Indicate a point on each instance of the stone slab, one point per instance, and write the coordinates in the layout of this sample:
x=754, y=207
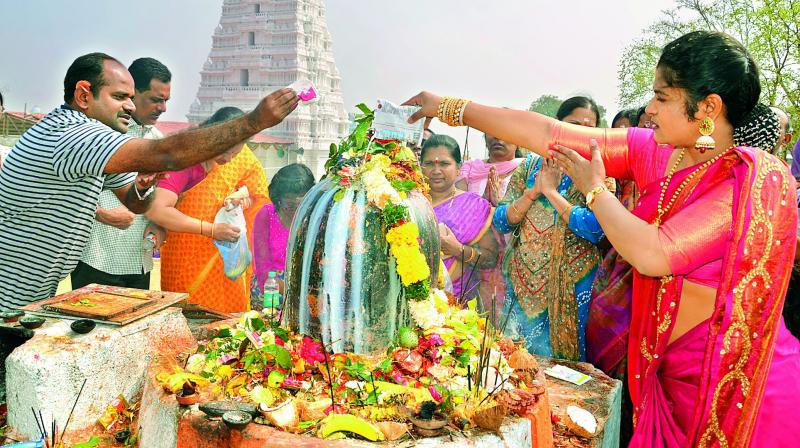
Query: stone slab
x=47, y=371
x=158, y=415
x=198, y=431
x=602, y=396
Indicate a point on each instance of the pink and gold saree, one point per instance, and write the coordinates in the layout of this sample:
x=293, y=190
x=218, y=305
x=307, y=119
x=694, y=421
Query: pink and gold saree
x=731, y=380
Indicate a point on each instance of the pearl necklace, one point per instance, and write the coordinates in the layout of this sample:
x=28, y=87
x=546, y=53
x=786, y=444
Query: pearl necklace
x=665, y=186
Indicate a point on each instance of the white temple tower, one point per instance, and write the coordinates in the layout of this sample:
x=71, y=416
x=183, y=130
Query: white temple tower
x=263, y=45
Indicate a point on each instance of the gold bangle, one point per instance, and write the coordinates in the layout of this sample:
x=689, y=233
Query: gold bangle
x=471, y=255
x=212, y=229
x=201, y=226
x=451, y=111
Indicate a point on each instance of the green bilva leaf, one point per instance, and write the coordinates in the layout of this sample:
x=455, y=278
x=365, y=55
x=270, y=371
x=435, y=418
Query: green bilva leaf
x=363, y=108
x=275, y=379
x=404, y=186
x=282, y=357
x=338, y=196
x=224, y=333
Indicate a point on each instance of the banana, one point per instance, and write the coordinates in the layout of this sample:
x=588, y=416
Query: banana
x=337, y=423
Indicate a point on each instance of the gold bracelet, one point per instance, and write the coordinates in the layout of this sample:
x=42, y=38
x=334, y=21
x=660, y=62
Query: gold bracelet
x=213, y=224
x=201, y=226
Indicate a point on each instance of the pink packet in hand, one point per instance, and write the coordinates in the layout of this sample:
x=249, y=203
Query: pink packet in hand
x=305, y=90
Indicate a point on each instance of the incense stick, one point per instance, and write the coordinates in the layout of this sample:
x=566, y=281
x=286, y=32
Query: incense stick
x=469, y=279
x=330, y=373
x=64, y=431
x=36, y=419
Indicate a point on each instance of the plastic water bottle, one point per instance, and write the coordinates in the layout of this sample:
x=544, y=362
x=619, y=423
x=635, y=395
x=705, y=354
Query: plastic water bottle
x=272, y=294
x=149, y=242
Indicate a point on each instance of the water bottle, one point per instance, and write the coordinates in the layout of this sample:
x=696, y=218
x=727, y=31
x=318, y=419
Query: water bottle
x=272, y=294
x=149, y=242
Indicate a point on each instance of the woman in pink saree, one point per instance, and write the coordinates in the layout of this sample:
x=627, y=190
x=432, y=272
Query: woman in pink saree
x=710, y=362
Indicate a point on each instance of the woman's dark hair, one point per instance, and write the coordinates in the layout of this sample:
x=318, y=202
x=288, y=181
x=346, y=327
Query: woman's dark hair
x=759, y=129
x=706, y=62
x=632, y=115
x=292, y=180
x=1, y=99
x=446, y=141
x=222, y=115
x=88, y=67
x=576, y=102
x=639, y=113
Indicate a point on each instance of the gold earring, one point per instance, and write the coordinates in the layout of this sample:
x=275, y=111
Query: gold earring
x=705, y=142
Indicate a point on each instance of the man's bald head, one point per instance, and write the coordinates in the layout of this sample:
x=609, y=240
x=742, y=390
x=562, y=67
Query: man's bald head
x=88, y=67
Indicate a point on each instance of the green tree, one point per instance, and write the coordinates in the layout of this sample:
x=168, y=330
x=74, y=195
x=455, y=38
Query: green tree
x=770, y=29
x=548, y=105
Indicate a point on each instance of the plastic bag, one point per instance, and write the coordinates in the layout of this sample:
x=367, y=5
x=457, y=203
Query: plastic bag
x=391, y=123
x=235, y=255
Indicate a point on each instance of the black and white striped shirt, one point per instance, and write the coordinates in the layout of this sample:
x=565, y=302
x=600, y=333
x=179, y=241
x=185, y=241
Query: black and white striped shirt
x=49, y=186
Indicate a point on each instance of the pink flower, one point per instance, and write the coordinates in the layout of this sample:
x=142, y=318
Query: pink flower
x=399, y=379
x=311, y=351
x=437, y=397
x=435, y=339
x=291, y=382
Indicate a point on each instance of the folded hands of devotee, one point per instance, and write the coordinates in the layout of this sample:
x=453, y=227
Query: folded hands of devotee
x=548, y=176
x=493, y=187
x=585, y=174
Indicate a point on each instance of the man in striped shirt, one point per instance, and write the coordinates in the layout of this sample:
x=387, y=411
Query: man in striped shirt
x=115, y=254
x=51, y=180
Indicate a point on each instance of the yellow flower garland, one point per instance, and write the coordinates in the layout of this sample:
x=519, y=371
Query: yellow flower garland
x=404, y=246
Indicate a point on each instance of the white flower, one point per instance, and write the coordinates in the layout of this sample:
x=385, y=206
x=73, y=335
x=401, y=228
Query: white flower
x=425, y=314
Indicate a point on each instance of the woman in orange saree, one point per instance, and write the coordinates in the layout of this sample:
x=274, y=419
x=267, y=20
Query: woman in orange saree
x=186, y=205
x=710, y=361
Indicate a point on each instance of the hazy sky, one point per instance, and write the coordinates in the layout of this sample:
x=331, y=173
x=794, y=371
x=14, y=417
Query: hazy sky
x=501, y=52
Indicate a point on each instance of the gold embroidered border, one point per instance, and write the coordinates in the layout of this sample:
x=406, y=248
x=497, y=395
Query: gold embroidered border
x=747, y=287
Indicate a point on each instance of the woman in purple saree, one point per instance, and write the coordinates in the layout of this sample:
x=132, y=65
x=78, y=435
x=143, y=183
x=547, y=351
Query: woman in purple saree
x=465, y=219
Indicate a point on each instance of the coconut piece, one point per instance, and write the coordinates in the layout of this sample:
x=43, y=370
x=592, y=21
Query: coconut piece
x=392, y=430
x=490, y=418
x=283, y=416
x=581, y=422
x=522, y=360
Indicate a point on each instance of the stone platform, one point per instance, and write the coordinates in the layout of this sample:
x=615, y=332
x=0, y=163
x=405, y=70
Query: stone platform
x=47, y=371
